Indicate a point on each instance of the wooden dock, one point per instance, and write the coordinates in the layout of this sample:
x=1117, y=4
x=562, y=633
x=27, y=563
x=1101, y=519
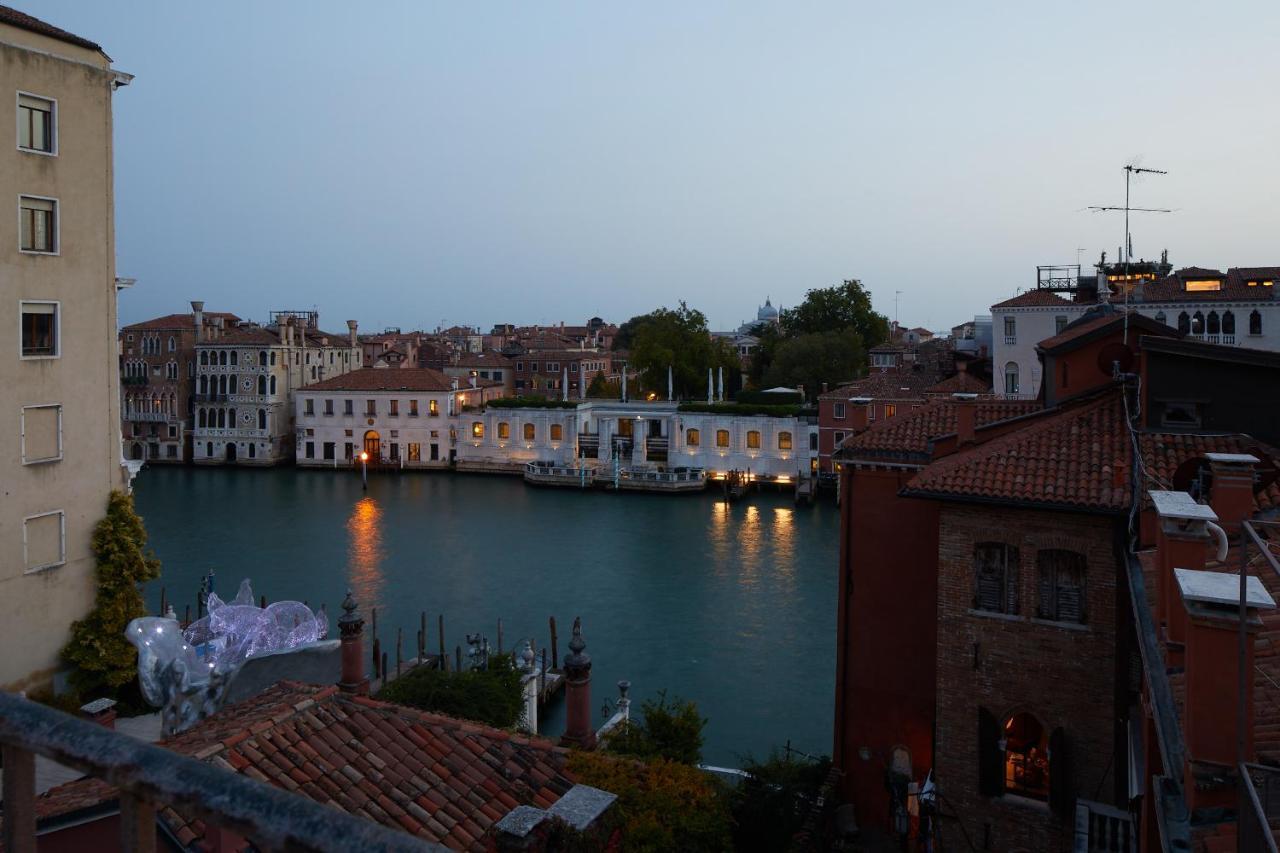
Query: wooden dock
x=805, y=489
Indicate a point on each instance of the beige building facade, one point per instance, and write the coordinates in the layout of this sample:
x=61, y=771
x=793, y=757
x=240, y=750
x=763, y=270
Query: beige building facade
x=59, y=386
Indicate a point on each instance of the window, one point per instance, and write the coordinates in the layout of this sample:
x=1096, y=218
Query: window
x=519, y=367
x=348, y=407
x=262, y=418
x=1184, y=323
x=995, y=568
x=253, y=450
x=311, y=450
x=348, y=451
x=415, y=451
x=1059, y=323
x=328, y=407
x=395, y=450
x=1010, y=330
x=890, y=409
x=497, y=375
x=1255, y=323
x=433, y=408
x=1228, y=323
x=371, y=407
x=41, y=434
x=235, y=358
x=529, y=432
x=1213, y=325
x=1203, y=285
x=871, y=412
x=173, y=345
x=37, y=225
x=171, y=370
x=784, y=441
x=395, y=408
x=39, y=329
x=813, y=441
x=837, y=411
x=533, y=367
x=1061, y=581
x=692, y=437
x=35, y=124
x=1011, y=378
x=504, y=430
x=44, y=540
x=557, y=432
x=1161, y=319
x=1197, y=323
x=204, y=358
x=413, y=408
x=477, y=429
x=262, y=357
x=839, y=439
x=309, y=406
x=273, y=385
x=722, y=438
x=753, y=439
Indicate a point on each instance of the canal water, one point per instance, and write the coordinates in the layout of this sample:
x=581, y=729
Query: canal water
x=732, y=606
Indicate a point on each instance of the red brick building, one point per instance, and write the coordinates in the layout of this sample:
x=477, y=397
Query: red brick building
x=543, y=373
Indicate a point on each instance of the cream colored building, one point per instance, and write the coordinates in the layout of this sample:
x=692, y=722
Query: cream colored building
x=59, y=384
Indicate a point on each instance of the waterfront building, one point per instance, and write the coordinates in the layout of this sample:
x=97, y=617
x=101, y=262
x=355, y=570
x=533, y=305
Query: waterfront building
x=1237, y=308
x=59, y=389
x=408, y=418
x=545, y=372
x=246, y=378
x=488, y=365
x=157, y=378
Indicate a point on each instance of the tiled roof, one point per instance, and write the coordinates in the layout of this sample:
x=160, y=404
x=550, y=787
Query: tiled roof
x=567, y=354
x=1235, y=286
x=391, y=379
x=1037, y=298
x=179, y=321
x=910, y=434
x=898, y=384
x=484, y=359
x=1069, y=458
x=438, y=778
x=251, y=335
x=961, y=383
x=1163, y=453
x=23, y=21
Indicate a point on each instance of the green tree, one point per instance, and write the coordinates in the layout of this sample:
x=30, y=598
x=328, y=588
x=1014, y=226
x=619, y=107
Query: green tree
x=670, y=730
x=678, y=339
x=830, y=309
x=817, y=357
x=103, y=662
x=601, y=388
x=771, y=803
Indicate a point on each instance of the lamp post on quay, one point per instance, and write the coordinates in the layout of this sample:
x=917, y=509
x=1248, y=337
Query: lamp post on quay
x=364, y=469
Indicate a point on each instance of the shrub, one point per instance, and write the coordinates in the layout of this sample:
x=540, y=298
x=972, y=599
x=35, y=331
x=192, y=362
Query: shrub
x=102, y=661
x=492, y=696
x=530, y=403
x=770, y=805
x=672, y=731
x=747, y=409
x=663, y=805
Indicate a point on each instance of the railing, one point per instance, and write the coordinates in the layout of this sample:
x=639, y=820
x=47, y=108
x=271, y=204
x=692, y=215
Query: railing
x=1010, y=339
x=655, y=449
x=1259, y=806
x=210, y=398
x=689, y=475
x=1224, y=339
x=149, y=776
x=1103, y=829
x=207, y=432
x=148, y=416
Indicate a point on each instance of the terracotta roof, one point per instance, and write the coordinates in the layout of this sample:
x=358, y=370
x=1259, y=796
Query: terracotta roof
x=898, y=384
x=391, y=379
x=484, y=359
x=179, y=321
x=1098, y=322
x=23, y=21
x=961, y=383
x=1072, y=458
x=253, y=335
x=1198, y=272
x=910, y=434
x=1163, y=453
x=439, y=778
x=1235, y=286
x=1033, y=299
x=564, y=355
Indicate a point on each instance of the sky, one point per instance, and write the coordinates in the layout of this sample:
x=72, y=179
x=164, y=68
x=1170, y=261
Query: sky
x=414, y=164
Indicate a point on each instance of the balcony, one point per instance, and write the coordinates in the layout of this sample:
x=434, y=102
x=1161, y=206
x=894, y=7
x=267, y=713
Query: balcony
x=1221, y=339
x=150, y=777
x=157, y=417
x=1010, y=340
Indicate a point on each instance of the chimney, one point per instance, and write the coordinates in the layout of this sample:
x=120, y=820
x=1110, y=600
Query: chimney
x=824, y=387
x=858, y=414
x=1181, y=539
x=1231, y=493
x=577, y=680
x=197, y=308
x=351, y=326
x=966, y=417
x=351, y=629
x=282, y=327
x=1211, y=604
x=100, y=711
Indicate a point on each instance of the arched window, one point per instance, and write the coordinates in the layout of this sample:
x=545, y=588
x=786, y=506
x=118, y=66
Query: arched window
x=204, y=358
x=1061, y=585
x=722, y=438
x=1011, y=378
x=273, y=358
x=753, y=439
x=173, y=345
x=231, y=419
x=1255, y=323
x=204, y=384
x=253, y=448
x=995, y=577
x=1228, y=323
x=222, y=357
x=262, y=384
x=273, y=385
x=222, y=418
x=529, y=432
x=204, y=421
x=504, y=430
x=1213, y=326
x=1160, y=318
x=1197, y=323
x=1184, y=323
x=234, y=359
x=692, y=437
x=262, y=358
x=208, y=449
x=557, y=432
x=222, y=384
x=262, y=418
x=784, y=441
x=1026, y=757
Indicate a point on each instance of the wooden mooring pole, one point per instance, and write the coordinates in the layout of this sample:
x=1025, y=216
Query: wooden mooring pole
x=555, y=659
x=444, y=655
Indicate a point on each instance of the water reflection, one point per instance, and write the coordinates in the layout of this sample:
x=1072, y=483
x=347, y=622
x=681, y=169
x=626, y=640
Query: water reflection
x=365, y=552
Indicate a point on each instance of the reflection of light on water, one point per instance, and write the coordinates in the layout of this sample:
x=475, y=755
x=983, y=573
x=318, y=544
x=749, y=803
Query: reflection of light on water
x=365, y=552
x=784, y=529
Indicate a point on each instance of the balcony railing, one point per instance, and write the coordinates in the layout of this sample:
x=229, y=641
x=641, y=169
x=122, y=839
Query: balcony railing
x=1104, y=829
x=1259, y=808
x=149, y=416
x=149, y=776
x=1224, y=339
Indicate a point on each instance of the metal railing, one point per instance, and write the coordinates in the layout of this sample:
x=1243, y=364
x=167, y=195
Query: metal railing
x=1259, y=793
x=148, y=416
x=1104, y=829
x=690, y=475
x=149, y=776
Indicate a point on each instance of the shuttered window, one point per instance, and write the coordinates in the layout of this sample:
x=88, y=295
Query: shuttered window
x=995, y=567
x=1061, y=585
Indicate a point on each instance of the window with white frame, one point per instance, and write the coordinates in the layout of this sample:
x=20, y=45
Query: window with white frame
x=1011, y=378
x=41, y=434
x=1010, y=330
x=36, y=123
x=38, y=225
x=39, y=329
x=44, y=541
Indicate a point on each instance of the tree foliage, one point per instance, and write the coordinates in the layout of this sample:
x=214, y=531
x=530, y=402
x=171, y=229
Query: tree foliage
x=492, y=696
x=668, y=730
x=830, y=309
x=102, y=661
x=770, y=805
x=664, y=805
x=679, y=339
x=602, y=389
x=816, y=357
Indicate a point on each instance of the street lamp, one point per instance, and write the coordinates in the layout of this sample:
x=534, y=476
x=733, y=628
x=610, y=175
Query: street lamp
x=364, y=469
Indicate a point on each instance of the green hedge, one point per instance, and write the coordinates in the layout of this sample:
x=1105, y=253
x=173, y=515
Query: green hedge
x=760, y=398
x=530, y=403
x=492, y=696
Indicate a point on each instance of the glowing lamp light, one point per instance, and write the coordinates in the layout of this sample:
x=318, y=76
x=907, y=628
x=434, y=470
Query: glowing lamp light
x=364, y=456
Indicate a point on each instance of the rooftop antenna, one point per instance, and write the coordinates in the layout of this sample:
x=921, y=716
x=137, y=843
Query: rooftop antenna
x=896, y=294
x=1131, y=169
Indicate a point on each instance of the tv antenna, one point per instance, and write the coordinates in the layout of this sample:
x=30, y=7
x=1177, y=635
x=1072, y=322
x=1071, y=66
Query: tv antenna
x=896, y=294
x=1130, y=169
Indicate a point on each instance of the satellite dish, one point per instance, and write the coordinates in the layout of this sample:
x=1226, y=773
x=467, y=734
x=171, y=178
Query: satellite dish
x=1112, y=354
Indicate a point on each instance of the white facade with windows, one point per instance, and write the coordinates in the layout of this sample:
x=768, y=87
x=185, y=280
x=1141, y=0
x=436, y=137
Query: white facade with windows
x=1015, y=332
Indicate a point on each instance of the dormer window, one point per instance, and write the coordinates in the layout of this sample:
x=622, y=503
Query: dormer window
x=1198, y=285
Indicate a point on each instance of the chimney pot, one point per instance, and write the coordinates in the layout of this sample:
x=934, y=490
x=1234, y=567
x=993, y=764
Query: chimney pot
x=1231, y=493
x=100, y=711
x=966, y=417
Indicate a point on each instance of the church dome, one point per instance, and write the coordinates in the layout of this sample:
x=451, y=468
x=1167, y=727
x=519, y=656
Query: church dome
x=768, y=312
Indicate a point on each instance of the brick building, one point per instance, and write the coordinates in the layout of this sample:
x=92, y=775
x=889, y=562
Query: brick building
x=544, y=373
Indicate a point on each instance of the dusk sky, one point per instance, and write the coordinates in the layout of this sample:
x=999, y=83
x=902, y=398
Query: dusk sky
x=412, y=164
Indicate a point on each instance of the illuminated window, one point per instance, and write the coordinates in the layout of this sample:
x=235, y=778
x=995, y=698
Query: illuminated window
x=504, y=430
x=890, y=410
x=433, y=408
x=528, y=432
x=1201, y=285
x=1026, y=757
x=477, y=429
x=753, y=439
x=692, y=437
x=557, y=432
x=722, y=438
x=784, y=441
